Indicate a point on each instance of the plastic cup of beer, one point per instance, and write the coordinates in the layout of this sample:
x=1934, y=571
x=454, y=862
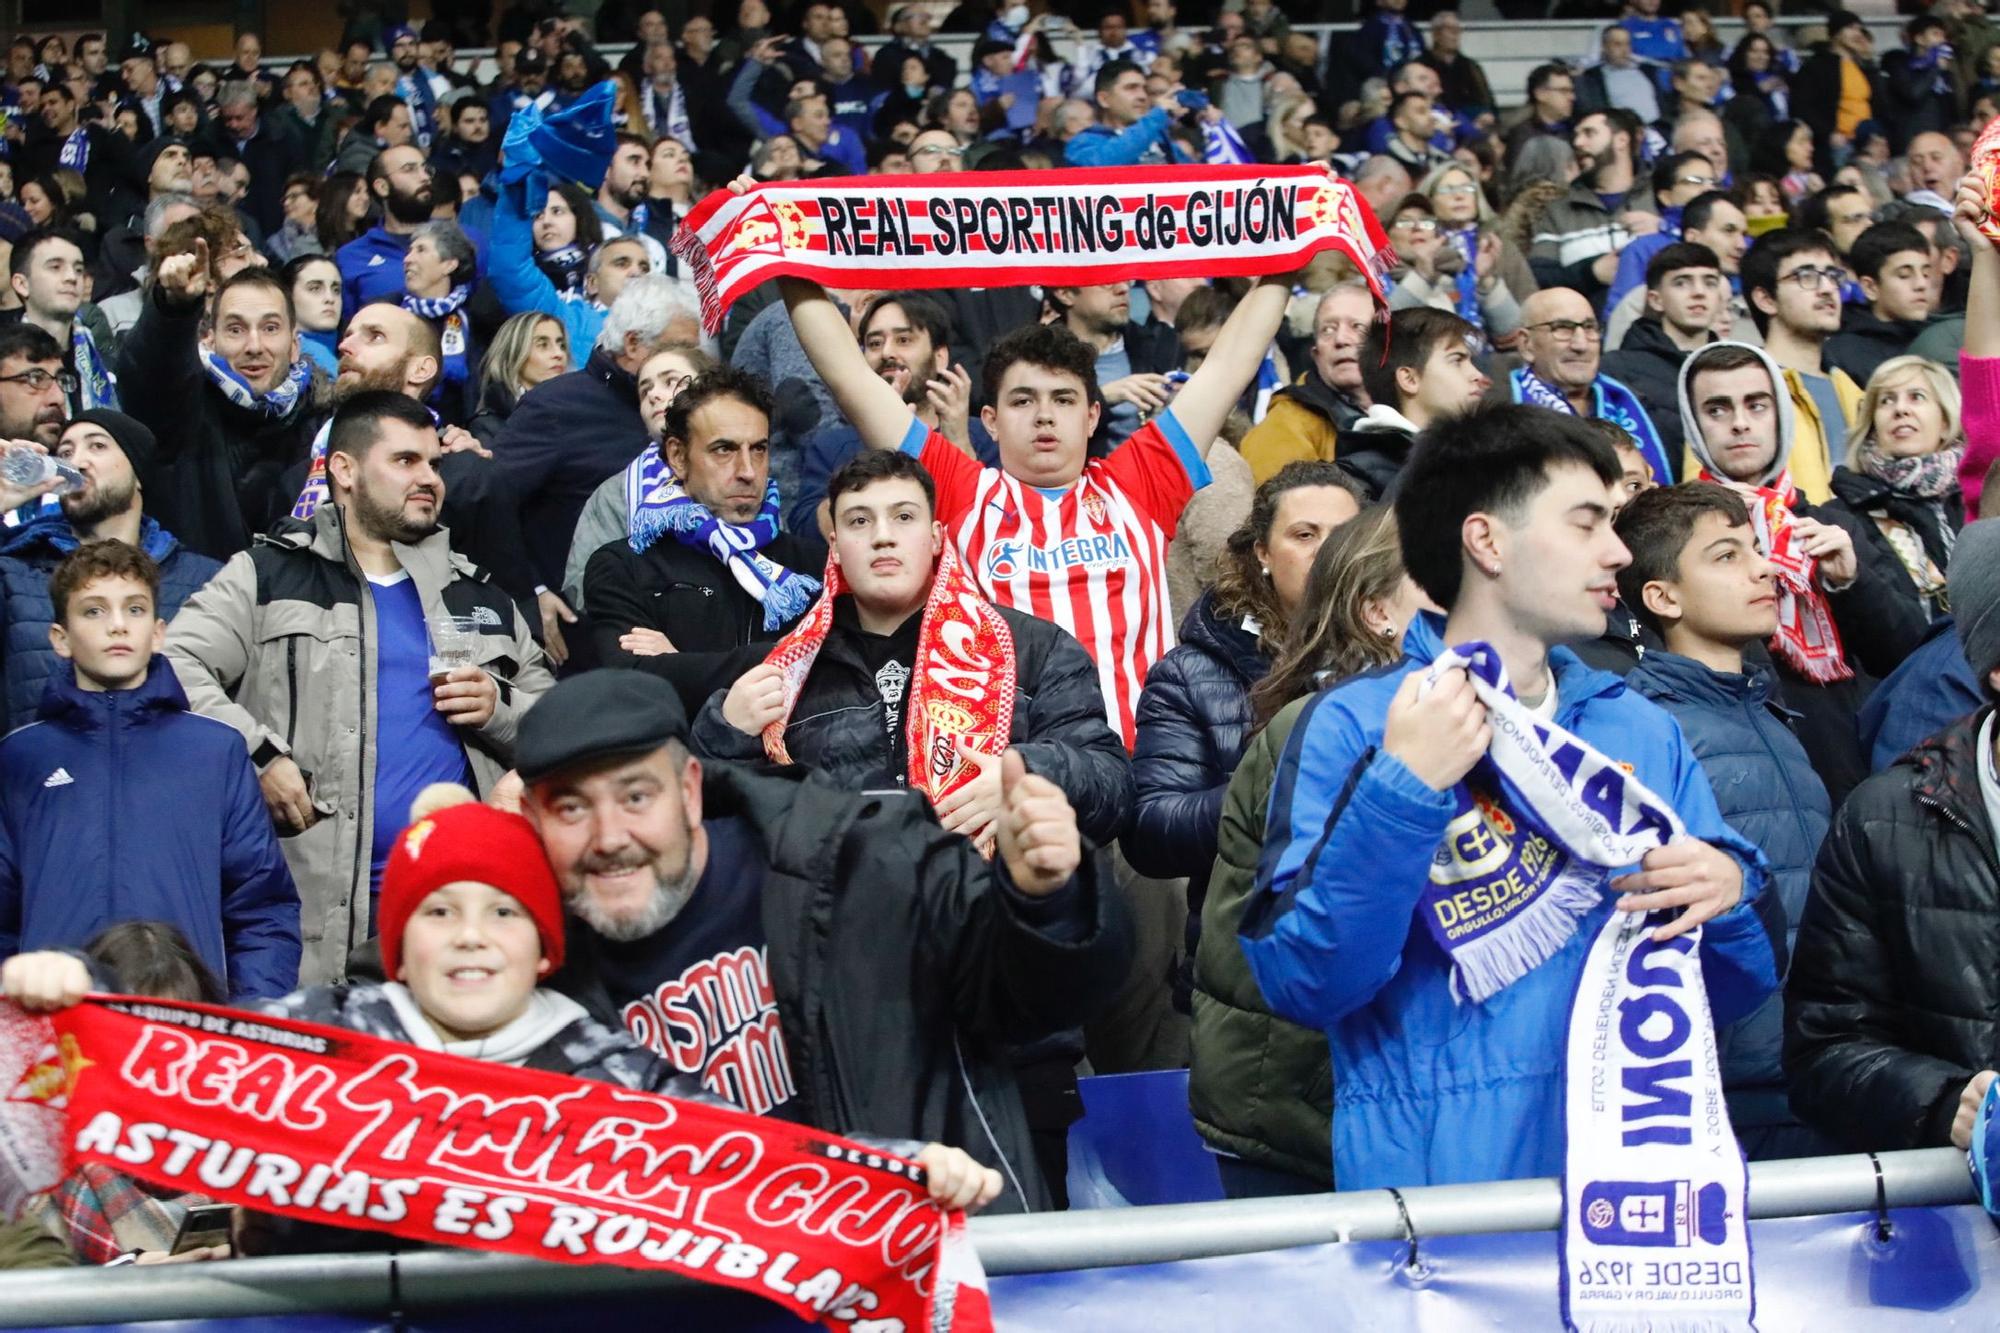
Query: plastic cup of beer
x=454, y=644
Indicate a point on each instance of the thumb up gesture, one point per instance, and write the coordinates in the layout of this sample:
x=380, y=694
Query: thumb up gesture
x=1036, y=830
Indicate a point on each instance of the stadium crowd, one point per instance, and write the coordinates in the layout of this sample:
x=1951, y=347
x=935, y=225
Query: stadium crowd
x=399, y=498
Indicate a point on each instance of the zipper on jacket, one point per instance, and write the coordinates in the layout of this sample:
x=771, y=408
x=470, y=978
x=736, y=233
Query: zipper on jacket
x=291, y=687
x=1959, y=821
x=358, y=904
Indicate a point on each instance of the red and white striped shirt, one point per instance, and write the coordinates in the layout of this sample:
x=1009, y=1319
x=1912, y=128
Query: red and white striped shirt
x=1091, y=557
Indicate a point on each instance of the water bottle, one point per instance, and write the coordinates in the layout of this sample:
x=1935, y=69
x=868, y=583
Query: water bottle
x=30, y=470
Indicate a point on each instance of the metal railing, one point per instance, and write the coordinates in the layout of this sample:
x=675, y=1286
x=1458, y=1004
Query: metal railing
x=442, y=1279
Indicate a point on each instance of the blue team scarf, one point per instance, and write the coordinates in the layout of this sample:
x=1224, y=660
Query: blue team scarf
x=565, y=267
x=1466, y=241
x=276, y=403
x=1612, y=402
x=657, y=506
x=447, y=312
x=96, y=386
x=1223, y=146
x=75, y=152
x=416, y=89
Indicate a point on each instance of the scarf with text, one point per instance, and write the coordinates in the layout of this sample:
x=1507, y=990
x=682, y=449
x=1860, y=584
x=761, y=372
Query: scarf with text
x=1612, y=402
x=656, y=505
x=565, y=267
x=448, y=313
x=276, y=403
x=325, y=1125
x=961, y=686
x=96, y=386
x=1650, y=1160
x=1465, y=295
x=1014, y=228
x=1807, y=638
x=75, y=153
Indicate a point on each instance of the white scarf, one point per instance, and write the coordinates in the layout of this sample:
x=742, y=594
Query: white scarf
x=1655, y=1233
x=548, y=1013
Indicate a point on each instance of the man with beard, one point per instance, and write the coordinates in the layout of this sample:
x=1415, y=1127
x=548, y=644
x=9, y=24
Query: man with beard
x=112, y=450
x=46, y=272
x=622, y=195
x=419, y=87
x=886, y=963
x=1577, y=238
x=906, y=338
x=318, y=647
x=1308, y=415
x=33, y=385
x=371, y=265
x=228, y=397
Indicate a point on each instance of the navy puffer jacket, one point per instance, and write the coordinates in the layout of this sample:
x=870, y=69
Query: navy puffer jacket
x=30, y=554
x=1767, y=791
x=1193, y=721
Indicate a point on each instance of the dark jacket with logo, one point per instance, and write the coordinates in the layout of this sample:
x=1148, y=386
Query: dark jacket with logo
x=1767, y=791
x=904, y=965
x=1894, y=1001
x=121, y=805
x=839, y=726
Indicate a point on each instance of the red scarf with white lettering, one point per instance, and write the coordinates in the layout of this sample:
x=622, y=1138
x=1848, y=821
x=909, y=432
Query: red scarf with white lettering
x=325, y=1125
x=1076, y=227
x=1807, y=638
x=961, y=685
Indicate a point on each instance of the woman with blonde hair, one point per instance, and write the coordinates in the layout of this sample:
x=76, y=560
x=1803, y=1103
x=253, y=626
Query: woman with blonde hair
x=1261, y=1089
x=1901, y=473
x=1285, y=127
x=529, y=349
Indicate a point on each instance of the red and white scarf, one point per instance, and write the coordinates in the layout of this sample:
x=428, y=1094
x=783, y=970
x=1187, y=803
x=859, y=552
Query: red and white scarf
x=961, y=685
x=1011, y=228
x=1807, y=639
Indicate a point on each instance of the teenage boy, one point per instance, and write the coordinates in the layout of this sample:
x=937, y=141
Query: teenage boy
x=1698, y=581
x=1419, y=367
x=1893, y=261
x=1791, y=279
x=1081, y=541
x=1505, y=519
x=124, y=806
x=1839, y=612
x=1685, y=295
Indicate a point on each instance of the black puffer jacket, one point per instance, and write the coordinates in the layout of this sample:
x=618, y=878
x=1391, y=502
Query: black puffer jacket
x=1193, y=719
x=1870, y=501
x=1866, y=340
x=1894, y=1000
x=838, y=726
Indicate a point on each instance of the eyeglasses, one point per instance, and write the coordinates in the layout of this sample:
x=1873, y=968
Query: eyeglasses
x=1564, y=330
x=1460, y=188
x=936, y=150
x=1415, y=224
x=38, y=380
x=1809, y=279
x=1705, y=182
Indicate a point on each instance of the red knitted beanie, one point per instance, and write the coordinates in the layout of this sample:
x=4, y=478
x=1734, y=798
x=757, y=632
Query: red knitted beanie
x=468, y=842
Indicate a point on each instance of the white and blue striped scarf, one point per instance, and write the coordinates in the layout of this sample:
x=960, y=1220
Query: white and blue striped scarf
x=656, y=505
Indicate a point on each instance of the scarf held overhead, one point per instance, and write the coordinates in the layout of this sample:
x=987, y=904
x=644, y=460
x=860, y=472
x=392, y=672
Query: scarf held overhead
x=1652, y=1173
x=962, y=687
x=1013, y=228
x=325, y=1125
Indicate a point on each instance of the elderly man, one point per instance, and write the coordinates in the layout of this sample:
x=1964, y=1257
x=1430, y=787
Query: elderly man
x=1564, y=354
x=1935, y=168
x=1308, y=415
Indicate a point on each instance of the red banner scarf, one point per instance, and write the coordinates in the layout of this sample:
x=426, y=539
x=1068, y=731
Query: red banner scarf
x=330, y=1126
x=1807, y=638
x=961, y=686
x=1073, y=227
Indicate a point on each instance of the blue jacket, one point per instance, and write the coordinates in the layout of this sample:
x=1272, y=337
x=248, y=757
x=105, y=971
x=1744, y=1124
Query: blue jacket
x=1933, y=688
x=1767, y=791
x=371, y=269
x=28, y=557
x=522, y=286
x=1428, y=1091
x=124, y=806
x=1146, y=140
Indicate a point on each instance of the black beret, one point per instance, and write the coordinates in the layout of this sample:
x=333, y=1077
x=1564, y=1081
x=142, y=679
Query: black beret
x=601, y=714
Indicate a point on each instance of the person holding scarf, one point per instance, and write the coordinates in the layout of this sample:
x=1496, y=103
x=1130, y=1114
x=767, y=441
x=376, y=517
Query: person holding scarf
x=419, y=88
x=1394, y=809
x=1841, y=610
x=1564, y=352
x=439, y=270
x=1901, y=475
x=705, y=568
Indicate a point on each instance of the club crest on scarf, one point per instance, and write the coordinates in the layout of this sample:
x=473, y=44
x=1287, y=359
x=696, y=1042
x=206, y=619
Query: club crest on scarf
x=961, y=691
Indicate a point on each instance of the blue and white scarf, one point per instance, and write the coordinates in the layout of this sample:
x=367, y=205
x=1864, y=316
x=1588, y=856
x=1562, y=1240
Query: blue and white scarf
x=1222, y=146
x=96, y=386
x=1652, y=1171
x=415, y=89
x=447, y=312
x=1611, y=401
x=317, y=491
x=565, y=267
x=75, y=152
x=657, y=506
x=275, y=403
x=1466, y=303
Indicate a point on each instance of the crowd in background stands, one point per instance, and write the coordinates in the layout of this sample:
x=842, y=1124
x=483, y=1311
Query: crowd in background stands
x=397, y=473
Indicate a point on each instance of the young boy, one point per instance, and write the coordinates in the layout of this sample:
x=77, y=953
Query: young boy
x=1505, y=520
x=1419, y=369
x=466, y=957
x=120, y=805
x=1698, y=581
